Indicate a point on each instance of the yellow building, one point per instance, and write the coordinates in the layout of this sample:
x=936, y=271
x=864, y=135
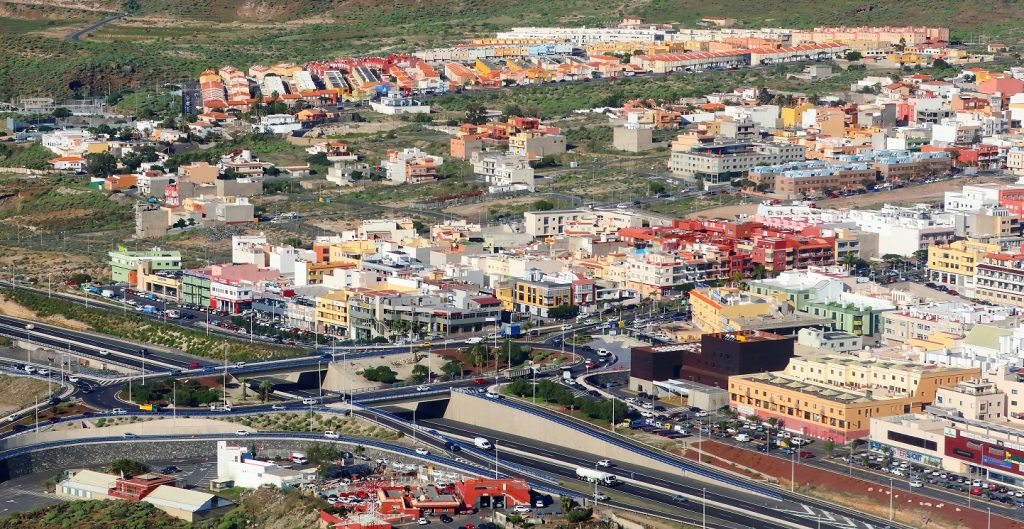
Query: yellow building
x=539, y=297
x=834, y=397
x=165, y=285
x=726, y=309
x=793, y=116
x=351, y=251
x=954, y=264
x=332, y=312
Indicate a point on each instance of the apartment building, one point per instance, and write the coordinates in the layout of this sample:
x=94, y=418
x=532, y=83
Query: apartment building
x=836, y=397
x=823, y=296
x=953, y=318
x=726, y=309
x=955, y=264
x=410, y=166
x=979, y=400
x=812, y=178
x=534, y=144
x=999, y=279
x=716, y=164
x=899, y=166
x=906, y=229
x=503, y=172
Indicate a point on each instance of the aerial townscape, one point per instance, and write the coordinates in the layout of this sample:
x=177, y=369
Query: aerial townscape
x=478, y=264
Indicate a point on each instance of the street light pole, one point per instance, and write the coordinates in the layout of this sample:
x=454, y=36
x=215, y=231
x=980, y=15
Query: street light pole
x=792, y=472
x=704, y=508
x=890, y=500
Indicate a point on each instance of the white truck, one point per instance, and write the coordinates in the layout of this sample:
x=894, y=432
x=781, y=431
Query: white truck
x=107, y=293
x=596, y=476
x=298, y=457
x=482, y=443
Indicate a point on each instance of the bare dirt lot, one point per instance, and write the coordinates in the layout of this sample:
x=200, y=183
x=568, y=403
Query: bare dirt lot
x=908, y=195
x=18, y=392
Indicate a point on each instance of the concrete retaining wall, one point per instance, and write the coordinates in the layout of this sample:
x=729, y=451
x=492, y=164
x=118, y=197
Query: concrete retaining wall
x=85, y=429
x=492, y=415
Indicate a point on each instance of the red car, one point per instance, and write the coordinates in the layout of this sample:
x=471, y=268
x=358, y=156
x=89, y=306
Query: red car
x=481, y=382
x=804, y=454
x=976, y=491
x=193, y=365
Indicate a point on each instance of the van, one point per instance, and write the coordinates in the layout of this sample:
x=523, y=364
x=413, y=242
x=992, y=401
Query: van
x=482, y=443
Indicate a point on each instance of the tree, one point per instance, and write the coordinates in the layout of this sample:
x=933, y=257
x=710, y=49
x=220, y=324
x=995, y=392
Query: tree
x=419, y=373
x=512, y=110
x=61, y=113
x=476, y=114
x=764, y=96
x=323, y=456
x=383, y=374
x=759, y=271
x=543, y=205
x=452, y=368
x=245, y=388
x=100, y=164
x=128, y=467
x=265, y=389
x=829, y=446
x=854, y=56
x=131, y=6
x=564, y=312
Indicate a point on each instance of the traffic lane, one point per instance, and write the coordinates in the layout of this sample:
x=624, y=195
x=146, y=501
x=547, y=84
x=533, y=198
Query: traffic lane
x=550, y=468
x=60, y=338
x=623, y=470
x=25, y=493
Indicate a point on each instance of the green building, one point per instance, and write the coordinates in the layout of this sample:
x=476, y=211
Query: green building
x=826, y=296
x=195, y=288
x=124, y=264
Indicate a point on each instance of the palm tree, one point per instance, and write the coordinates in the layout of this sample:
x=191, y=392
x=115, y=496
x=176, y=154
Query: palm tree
x=265, y=388
x=849, y=259
x=759, y=271
x=245, y=388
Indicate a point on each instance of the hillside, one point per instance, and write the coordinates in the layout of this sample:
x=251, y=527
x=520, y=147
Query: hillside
x=170, y=40
x=93, y=515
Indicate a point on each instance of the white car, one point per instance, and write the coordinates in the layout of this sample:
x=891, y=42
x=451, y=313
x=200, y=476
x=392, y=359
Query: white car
x=44, y=371
x=118, y=411
x=701, y=414
x=521, y=509
x=743, y=438
x=648, y=406
x=422, y=521
x=331, y=434
x=916, y=484
x=422, y=388
x=604, y=463
x=646, y=414
x=474, y=340
x=73, y=379
x=278, y=407
x=799, y=441
x=422, y=451
x=241, y=432
x=600, y=496
x=309, y=401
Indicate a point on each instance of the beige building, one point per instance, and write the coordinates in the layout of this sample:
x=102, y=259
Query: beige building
x=534, y=144
x=633, y=139
x=976, y=399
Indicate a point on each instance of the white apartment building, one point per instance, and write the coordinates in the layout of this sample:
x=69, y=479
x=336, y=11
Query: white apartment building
x=955, y=318
x=906, y=229
x=503, y=172
x=277, y=124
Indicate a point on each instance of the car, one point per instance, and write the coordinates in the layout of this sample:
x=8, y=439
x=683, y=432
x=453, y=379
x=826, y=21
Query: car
x=479, y=381
x=600, y=496
x=743, y=438
x=309, y=401
x=73, y=379
x=278, y=407
x=331, y=434
x=44, y=371
x=522, y=509
x=804, y=454
x=700, y=413
x=916, y=484
x=426, y=344
x=678, y=498
x=445, y=518
x=241, y=432
x=604, y=463
x=648, y=406
x=422, y=451
x=170, y=469
x=119, y=411
x=422, y=521
x=422, y=388
x=128, y=435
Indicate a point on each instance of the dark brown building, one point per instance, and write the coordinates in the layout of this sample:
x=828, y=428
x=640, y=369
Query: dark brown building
x=711, y=361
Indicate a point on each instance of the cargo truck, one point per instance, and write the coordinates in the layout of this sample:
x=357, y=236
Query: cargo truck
x=596, y=476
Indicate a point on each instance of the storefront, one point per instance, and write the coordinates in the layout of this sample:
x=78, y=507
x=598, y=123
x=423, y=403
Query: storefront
x=996, y=460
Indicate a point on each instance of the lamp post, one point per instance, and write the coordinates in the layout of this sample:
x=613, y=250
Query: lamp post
x=704, y=508
x=890, y=500
x=792, y=472
x=143, y=351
